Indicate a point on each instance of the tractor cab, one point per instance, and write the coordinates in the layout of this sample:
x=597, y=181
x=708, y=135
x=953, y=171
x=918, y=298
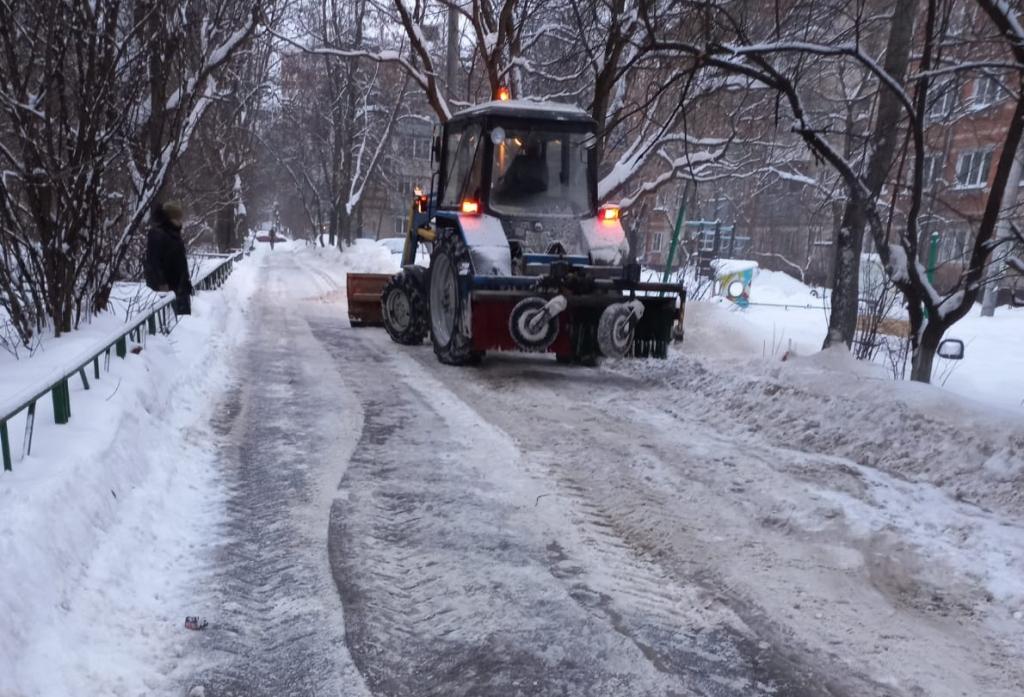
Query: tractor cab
x=522, y=257
x=529, y=169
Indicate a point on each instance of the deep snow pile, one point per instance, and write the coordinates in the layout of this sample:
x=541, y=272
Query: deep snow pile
x=366, y=256
x=780, y=288
x=831, y=404
x=788, y=317
x=101, y=519
x=363, y=256
x=943, y=473
x=761, y=370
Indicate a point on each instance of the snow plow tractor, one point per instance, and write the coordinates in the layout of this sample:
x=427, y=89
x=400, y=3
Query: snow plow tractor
x=522, y=258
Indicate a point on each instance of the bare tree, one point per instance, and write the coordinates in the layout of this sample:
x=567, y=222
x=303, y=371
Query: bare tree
x=758, y=51
x=212, y=175
x=98, y=102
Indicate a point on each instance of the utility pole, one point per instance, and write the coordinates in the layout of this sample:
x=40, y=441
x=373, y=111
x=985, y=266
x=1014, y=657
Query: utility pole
x=997, y=268
x=452, y=60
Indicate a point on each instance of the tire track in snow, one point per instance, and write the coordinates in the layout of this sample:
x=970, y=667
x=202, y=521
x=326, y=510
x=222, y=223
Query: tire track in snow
x=276, y=627
x=579, y=434
x=715, y=512
x=457, y=579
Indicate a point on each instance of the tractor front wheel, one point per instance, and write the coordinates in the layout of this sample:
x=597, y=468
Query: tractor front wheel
x=404, y=307
x=449, y=302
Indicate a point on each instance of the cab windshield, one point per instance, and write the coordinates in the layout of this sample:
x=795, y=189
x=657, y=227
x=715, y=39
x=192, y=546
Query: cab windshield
x=540, y=173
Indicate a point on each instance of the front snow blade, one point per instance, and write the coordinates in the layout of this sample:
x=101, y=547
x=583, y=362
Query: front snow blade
x=363, y=291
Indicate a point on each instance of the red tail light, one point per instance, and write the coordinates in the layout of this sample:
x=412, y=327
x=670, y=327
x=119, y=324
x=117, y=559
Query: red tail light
x=470, y=207
x=504, y=94
x=608, y=214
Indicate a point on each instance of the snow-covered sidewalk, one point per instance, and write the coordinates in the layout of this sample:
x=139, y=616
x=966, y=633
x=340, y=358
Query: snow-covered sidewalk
x=102, y=520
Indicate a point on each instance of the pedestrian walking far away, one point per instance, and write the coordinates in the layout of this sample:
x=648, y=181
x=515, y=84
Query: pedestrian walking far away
x=273, y=237
x=166, y=266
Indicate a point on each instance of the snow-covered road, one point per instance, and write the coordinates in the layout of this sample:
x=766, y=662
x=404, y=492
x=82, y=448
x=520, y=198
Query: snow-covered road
x=398, y=527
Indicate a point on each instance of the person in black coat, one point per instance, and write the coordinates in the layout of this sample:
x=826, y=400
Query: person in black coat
x=166, y=266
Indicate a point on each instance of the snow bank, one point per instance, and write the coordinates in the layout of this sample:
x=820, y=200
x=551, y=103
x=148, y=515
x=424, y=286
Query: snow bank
x=992, y=370
x=762, y=371
x=51, y=356
x=778, y=287
x=364, y=256
x=830, y=403
x=764, y=332
x=794, y=320
x=99, y=521
x=943, y=472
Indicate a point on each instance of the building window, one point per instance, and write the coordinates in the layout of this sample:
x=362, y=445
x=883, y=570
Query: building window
x=931, y=170
x=656, y=242
x=941, y=100
x=414, y=147
x=399, y=229
x=972, y=169
x=667, y=198
x=406, y=188
x=421, y=148
x=987, y=90
x=952, y=245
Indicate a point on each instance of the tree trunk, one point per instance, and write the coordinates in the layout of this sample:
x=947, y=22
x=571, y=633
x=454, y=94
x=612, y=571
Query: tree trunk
x=344, y=226
x=332, y=227
x=996, y=266
x=842, y=321
x=225, y=230
x=924, y=354
x=452, y=59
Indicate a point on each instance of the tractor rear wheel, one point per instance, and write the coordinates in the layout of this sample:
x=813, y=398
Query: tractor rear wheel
x=404, y=307
x=449, y=299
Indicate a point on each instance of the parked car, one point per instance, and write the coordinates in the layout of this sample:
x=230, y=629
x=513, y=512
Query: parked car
x=395, y=245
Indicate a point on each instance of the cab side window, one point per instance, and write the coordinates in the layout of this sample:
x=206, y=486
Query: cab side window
x=461, y=160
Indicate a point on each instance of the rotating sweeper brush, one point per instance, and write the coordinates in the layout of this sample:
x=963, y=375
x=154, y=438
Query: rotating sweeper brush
x=522, y=257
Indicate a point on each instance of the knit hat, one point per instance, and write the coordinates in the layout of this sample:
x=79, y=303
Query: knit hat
x=175, y=212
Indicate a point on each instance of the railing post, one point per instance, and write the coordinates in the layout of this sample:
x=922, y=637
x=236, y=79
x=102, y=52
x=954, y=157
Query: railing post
x=121, y=347
x=96, y=367
x=61, y=406
x=152, y=324
x=30, y=423
x=5, y=446
x=58, y=408
x=85, y=380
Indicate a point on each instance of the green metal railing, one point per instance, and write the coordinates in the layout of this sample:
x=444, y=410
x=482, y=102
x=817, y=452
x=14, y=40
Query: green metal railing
x=157, y=318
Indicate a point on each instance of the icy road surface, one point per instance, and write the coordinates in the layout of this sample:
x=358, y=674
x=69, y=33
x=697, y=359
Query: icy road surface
x=398, y=527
